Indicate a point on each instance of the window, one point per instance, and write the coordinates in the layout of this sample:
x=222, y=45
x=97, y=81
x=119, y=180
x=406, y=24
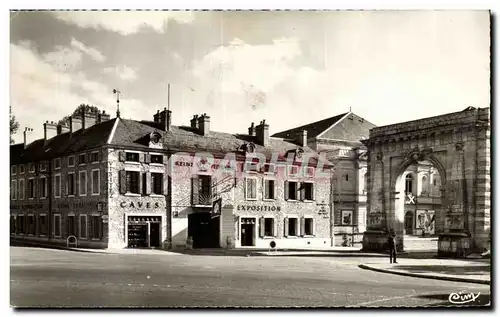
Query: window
x=96, y=227
x=269, y=168
x=346, y=177
x=43, y=166
x=31, y=167
x=293, y=170
x=43, y=187
x=57, y=225
x=20, y=224
x=21, y=189
x=57, y=185
x=409, y=183
x=269, y=227
x=31, y=225
x=71, y=160
x=96, y=183
x=42, y=225
x=82, y=159
x=434, y=182
x=202, y=190
x=158, y=159
x=308, y=226
x=132, y=182
x=57, y=163
x=31, y=188
x=156, y=183
x=292, y=227
x=94, y=157
x=132, y=157
x=13, y=190
x=309, y=171
x=21, y=169
x=12, y=224
x=251, y=188
x=308, y=191
x=269, y=189
x=71, y=226
x=83, y=226
x=13, y=170
x=291, y=190
x=71, y=184
x=82, y=183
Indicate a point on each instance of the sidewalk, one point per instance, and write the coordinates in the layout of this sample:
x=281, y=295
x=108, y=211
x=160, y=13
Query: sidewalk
x=469, y=271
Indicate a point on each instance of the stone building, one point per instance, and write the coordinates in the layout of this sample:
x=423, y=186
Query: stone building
x=457, y=145
x=126, y=183
x=339, y=138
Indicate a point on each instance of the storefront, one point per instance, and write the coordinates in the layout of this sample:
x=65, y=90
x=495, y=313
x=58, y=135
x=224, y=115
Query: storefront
x=144, y=231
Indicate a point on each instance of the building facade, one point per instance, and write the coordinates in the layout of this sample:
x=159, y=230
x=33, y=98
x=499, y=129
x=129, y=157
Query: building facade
x=126, y=183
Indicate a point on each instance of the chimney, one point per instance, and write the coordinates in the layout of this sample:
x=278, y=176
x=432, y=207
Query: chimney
x=88, y=118
x=203, y=124
x=302, y=138
x=62, y=128
x=194, y=122
x=164, y=118
x=27, y=132
x=75, y=123
x=49, y=130
x=156, y=117
x=101, y=117
x=251, y=130
x=262, y=133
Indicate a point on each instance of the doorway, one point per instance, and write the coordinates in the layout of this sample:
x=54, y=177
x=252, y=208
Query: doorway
x=203, y=228
x=154, y=235
x=247, y=232
x=409, y=222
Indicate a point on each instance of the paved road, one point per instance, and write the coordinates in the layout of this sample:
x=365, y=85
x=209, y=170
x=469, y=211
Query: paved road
x=54, y=278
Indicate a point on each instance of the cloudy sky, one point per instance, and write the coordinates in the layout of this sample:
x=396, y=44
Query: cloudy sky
x=290, y=68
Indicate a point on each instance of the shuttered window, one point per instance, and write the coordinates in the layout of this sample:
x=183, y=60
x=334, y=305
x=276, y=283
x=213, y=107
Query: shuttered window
x=71, y=226
x=43, y=225
x=71, y=184
x=269, y=189
x=95, y=227
x=83, y=226
x=157, y=183
x=201, y=190
x=132, y=182
x=251, y=188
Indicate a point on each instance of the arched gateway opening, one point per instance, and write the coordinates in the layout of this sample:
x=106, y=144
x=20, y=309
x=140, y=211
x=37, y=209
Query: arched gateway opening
x=431, y=177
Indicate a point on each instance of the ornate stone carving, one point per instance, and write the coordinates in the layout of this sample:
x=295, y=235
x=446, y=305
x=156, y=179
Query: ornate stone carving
x=459, y=146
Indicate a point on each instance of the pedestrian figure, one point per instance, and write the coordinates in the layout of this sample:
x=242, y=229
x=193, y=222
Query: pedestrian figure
x=391, y=243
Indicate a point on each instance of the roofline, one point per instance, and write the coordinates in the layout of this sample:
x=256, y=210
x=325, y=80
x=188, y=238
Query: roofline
x=324, y=131
x=112, y=134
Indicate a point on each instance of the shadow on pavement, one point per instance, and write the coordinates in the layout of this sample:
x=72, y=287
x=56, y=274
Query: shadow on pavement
x=444, y=300
x=446, y=269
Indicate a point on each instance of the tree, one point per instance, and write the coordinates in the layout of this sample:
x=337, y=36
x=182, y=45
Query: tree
x=78, y=110
x=14, y=125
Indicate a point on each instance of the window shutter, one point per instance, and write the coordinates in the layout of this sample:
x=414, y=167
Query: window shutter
x=302, y=226
x=195, y=190
x=313, y=191
x=302, y=192
x=147, y=158
x=35, y=188
x=91, y=228
x=88, y=157
x=141, y=183
x=123, y=182
x=141, y=158
x=263, y=189
x=285, y=229
x=286, y=190
x=275, y=228
x=121, y=156
x=262, y=227
x=245, y=186
x=149, y=184
x=313, y=226
x=165, y=184
x=100, y=155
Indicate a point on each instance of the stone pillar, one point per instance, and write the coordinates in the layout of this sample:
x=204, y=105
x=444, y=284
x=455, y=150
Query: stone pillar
x=483, y=186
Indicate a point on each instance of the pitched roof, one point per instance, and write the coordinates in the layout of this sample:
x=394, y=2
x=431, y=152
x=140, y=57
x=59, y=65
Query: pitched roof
x=186, y=139
x=81, y=140
x=313, y=129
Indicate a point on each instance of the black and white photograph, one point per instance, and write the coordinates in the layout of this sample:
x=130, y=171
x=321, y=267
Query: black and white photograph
x=325, y=158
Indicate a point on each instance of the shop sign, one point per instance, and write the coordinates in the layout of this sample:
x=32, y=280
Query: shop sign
x=138, y=205
x=77, y=205
x=258, y=208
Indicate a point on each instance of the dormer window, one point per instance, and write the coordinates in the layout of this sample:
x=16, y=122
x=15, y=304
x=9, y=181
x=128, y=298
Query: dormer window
x=82, y=159
x=269, y=168
x=309, y=172
x=132, y=157
x=293, y=170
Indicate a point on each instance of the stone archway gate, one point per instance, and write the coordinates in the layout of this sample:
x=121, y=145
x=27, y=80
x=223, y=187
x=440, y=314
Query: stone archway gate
x=458, y=145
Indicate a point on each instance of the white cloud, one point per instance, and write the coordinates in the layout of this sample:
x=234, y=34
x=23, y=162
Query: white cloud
x=63, y=58
x=40, y=90
x=92, y=52
x=123, y=72
x=124, y=22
